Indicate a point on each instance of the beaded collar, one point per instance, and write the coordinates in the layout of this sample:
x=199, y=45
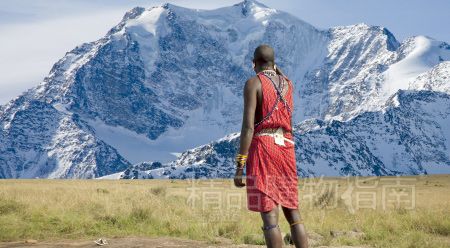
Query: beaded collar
x=269, y=72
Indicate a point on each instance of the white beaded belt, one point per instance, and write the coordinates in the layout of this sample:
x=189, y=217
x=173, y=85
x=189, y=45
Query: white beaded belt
x=278, y=135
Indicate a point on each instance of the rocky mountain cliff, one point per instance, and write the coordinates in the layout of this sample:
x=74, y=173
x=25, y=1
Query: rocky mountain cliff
x=168, y=79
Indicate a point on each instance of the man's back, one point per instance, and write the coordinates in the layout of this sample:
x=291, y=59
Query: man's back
x=256, y=83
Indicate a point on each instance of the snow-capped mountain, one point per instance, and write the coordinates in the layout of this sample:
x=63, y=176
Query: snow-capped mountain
x=167, y=79
x=410, y=135
x=38, y=140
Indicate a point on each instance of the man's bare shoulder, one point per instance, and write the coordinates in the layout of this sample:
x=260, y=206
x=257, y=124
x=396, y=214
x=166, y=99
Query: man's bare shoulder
x=252, y=83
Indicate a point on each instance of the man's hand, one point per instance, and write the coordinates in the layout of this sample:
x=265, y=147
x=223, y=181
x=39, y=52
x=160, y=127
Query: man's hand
x=238, y=178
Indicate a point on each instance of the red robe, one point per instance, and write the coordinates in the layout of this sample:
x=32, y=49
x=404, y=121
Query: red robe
x=271, y=171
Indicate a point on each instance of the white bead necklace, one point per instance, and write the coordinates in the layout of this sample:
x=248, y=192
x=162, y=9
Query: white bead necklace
x=269, y=72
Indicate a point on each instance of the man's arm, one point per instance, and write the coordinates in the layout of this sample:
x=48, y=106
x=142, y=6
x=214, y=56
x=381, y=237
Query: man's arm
x=248, y=119
x=250, y=101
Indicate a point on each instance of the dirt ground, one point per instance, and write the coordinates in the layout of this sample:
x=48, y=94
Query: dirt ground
x=134, y=242
x=130, y=242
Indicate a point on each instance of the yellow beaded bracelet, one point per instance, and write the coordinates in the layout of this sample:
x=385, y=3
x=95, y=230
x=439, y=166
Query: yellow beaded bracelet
x=241, y=159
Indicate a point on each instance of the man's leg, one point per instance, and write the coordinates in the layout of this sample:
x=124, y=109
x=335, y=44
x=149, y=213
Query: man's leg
x=298, y=231
x=271, y=230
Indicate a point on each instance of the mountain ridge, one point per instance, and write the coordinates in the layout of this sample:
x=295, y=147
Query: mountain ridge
x=168, y=78
x=338, y=148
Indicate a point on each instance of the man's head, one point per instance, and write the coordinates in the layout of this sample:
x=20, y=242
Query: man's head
x=263, y=57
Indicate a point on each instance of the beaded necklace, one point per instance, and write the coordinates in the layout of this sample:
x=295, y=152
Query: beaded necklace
x=282, y=83
x=280, y=96
x=269, y=72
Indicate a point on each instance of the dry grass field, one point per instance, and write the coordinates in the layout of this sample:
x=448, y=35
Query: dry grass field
x=353, y=211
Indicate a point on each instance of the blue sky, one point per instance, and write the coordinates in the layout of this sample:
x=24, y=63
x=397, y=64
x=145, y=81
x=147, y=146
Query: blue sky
x=36, y=33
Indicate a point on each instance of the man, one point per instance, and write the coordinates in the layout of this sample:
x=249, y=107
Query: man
x=267, y=149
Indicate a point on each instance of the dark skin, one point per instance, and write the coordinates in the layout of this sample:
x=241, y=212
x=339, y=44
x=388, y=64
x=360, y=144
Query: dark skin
x=252, y=115
x=252, y=102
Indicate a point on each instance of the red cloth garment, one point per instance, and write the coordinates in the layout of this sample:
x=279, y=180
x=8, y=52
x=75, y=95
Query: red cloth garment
x=271, y=171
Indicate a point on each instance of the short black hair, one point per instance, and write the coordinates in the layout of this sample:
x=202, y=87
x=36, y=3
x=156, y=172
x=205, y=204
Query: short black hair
x=264, y=55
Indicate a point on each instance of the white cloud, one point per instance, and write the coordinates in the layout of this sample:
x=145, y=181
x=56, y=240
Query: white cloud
x=29, y=50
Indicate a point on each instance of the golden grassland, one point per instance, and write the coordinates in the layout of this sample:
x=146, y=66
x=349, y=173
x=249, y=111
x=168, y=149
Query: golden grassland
x=388, y=211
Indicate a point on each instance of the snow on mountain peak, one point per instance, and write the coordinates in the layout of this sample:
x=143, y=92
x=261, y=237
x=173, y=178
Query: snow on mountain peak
x=418, y=55
x=250, y=4
x=436, y=79
x=146, y=23
x=362, y=29
x=131, y=14
x=252, y=7
x=168, y=78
